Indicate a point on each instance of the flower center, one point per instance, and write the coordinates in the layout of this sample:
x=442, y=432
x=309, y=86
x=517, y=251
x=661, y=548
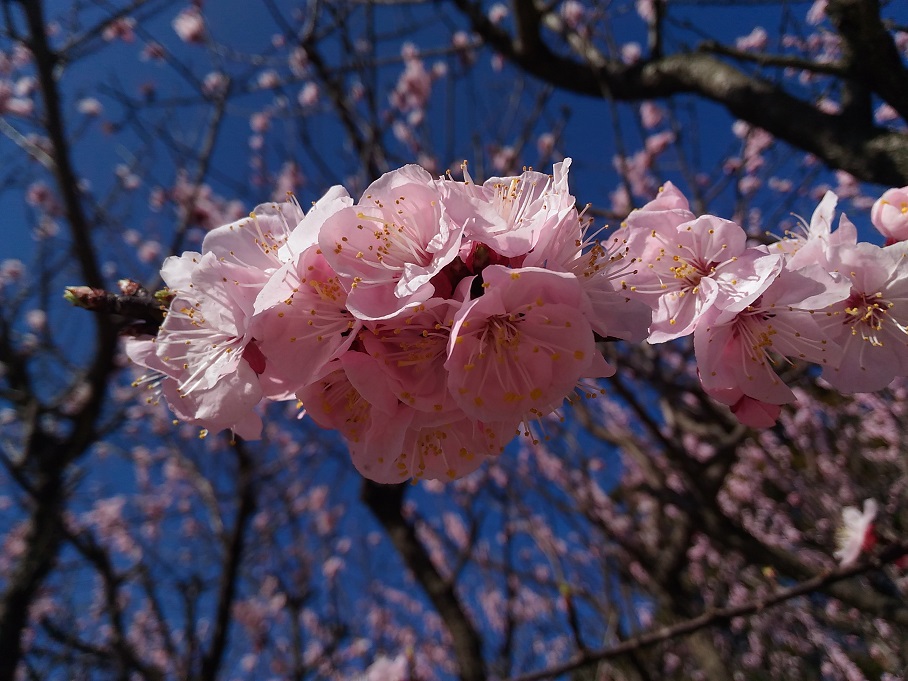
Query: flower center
x=866, y=313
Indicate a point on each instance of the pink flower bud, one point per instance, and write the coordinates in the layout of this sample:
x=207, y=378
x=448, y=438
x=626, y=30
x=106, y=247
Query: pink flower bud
x=890, y=215
x=190, y=25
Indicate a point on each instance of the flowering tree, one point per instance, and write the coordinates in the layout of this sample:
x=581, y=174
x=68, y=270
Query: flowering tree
x=222, y=494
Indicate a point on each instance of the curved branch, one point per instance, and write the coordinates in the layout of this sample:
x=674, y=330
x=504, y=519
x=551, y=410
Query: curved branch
x=868, y=152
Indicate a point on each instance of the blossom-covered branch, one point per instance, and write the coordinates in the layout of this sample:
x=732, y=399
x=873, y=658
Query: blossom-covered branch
x=434, y=319
x=720, y=615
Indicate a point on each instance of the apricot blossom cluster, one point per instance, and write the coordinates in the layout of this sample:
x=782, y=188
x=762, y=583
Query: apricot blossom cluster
x=818, y=296
x=433, y=319
x=427, y=323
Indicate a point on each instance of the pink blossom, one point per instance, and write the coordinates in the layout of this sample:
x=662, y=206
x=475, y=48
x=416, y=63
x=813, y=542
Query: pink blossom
x=462, y=42
x=847, y=186
x=40, y=195
x=387, y=669
x=817, y=12
x=89, y=106
x=631, y=52
x=412, y=352
x=18, y=106
x=781, y=185
x=511, y=214
x=11, y=269
x=25, y=86
x=403, y=133
x=354, y=398
x=651, y=115
x=208, y=362
x=332, y=567
x=413, y=87
x=306, y=231
x=573, y=13
x=687, y=265
x=256, y=242
x=498, y=12
x=36, y=320
x=855, y=535
x=739, y=345
x=446, y=451
x=153, y=52
x=545, y=143
x=308, y=95
x=299, y=62
x=120, y=28
x=659, y=142
x=268, y=79
x=211, y=360
x=812, y=244
x=128, y=179
x=149, y=251
x=890, y=215
x=756, y=40
x=620, y=200
x=828, y=106
x=504, y=158
x=289, y=179
x=409, y=51
x=300, y=323
x=756, y=141
x=753, y=413
x=389, y=246
x=646, y=9
x=749, y=184
x=885, y=113
x=871, y=323
x=215, y=83
x=635, y=170
x=189, y=25
x=519, y=349
x=201, y=206
x=600, y=267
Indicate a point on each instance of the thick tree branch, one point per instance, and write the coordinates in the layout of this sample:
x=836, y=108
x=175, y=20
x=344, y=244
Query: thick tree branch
x=385, y=502
x=42, y=542
x=46, y=62
x=867, y=151
x=876, y=58
x=45, y=455
x=102, y=365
